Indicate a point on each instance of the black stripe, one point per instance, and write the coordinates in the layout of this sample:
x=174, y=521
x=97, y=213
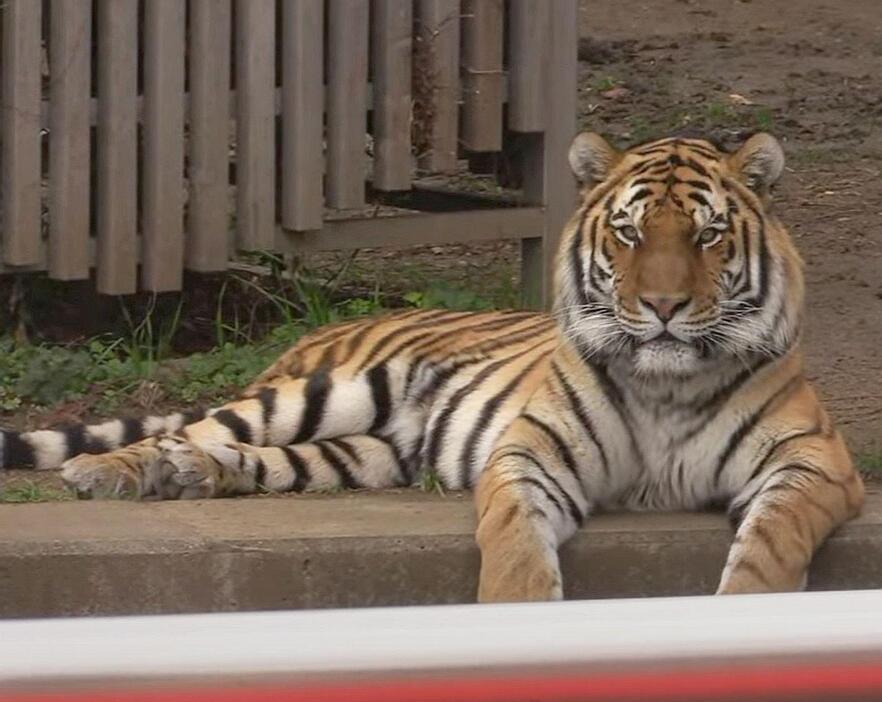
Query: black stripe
x=193, y=415
x=488, y=412
x=401, y=463
x=267, y=398
x=301, y=470
x=347, y=480
x=699, y=198
x=572, y=507
x=747, y=425
x=431, y=319
x=17, y=451
x=260, y=473
x=639, y=195
x=700, y=184
x=232, y=421
x=378, y=379
x=560, y=447
x=761, y=466
x=348, y=449
x=582, y=415
x=576, y=261
x=133, y=430
x=315, y=397
x=697, y=167
x=80, y=441
x=434, y=440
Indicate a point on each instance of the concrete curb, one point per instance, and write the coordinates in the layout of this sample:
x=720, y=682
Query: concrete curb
x=397, y=548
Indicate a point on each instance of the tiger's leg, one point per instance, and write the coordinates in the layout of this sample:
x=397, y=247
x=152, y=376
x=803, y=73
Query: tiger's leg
x=321, y=405
x=786, y=512
x=527, y=506
x=183, y=469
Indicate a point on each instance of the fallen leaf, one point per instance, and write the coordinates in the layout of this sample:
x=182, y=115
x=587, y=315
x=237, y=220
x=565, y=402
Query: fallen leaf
x=737, y=99
x=615, y=93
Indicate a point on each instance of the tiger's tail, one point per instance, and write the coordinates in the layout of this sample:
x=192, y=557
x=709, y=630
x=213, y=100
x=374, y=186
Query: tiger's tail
x=45, y=449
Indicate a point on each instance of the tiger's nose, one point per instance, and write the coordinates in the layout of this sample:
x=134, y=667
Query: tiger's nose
x=665, y=307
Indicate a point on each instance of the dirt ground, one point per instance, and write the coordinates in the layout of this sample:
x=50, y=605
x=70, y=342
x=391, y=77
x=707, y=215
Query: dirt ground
x=813, y=70
x=809, y=71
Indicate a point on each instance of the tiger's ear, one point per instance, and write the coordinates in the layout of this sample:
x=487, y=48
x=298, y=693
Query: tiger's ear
x=759, y=162
x=592, y=158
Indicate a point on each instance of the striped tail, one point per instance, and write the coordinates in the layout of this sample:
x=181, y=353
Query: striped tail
x=46, y=449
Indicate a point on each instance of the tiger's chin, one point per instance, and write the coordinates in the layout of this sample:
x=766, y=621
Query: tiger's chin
x=668, y=358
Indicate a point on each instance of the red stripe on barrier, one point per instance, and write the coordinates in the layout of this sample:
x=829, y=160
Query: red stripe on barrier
x=704, y=684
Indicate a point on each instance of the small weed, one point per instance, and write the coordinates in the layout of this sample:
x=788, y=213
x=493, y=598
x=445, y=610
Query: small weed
x=28, y=491
x=431, y=482
x=717, y=114
x=764, y=119
x=870, y=462
x=604, y=84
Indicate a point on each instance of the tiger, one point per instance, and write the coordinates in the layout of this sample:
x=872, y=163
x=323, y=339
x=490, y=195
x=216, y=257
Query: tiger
x=668, y=376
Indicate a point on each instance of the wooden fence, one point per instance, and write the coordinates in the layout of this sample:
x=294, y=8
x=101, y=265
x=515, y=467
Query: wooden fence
x=142, y=137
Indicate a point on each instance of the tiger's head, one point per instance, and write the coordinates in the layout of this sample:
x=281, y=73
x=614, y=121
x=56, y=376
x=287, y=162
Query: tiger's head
x=673, y=258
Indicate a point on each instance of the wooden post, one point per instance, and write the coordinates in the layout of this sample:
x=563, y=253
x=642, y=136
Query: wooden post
x=256, y=124
x=303, y=99
x=70, y=60
x=528, y=65
x=162, y=253
x=347, y=101
x=116, y=255
x=438, y=52
x=547, y=176
x=392, y=27
x=20, y=138
x=208, y=217
x=482, y=41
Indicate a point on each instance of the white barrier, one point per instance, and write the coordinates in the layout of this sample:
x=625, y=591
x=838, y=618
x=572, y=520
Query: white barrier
x=336, y=644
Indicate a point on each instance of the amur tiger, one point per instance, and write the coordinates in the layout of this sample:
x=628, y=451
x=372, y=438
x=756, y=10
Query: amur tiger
x=669, y=377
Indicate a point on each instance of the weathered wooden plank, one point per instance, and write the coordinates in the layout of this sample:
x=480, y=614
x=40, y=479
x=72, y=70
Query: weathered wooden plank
x=483, y=79
x=117, y=255
x=208, y=212
x=528, y=51
x=347, y=102
x=162, y=257
x=547, y=177
x=20, y=135
x=414, y=230
x=392, y=49
x=70, y=53
x=256, y=129
x=303, y=98
x=436, y=64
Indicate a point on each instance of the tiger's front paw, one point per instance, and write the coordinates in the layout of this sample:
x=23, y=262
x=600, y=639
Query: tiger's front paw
x=169, y=469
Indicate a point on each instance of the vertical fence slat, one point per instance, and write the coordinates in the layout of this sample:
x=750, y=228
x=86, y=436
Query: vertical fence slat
x=70, y=60
x=162, y=251
x=255, y=124
x=208, y=209
x=438, y=56
x=392, y=47
x=20, y=138
x=302, y=113
x=528, y=37
x=116, y=255
x=347, y=101
x=482, y=35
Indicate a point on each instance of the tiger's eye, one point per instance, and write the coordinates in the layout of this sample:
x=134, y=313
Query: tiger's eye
x=628, y=235
x=708, y=237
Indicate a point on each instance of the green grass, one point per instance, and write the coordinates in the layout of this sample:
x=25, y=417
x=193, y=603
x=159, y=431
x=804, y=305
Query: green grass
x=430, y=482
x=870, y=462
x=23, y=491
x=605, y=83
x=107, y=373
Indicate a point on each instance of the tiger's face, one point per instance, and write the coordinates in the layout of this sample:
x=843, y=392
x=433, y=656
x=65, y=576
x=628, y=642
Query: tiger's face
x=673, y=259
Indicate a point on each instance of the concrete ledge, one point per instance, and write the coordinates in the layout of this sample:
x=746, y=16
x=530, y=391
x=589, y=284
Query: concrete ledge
x=75, y=558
